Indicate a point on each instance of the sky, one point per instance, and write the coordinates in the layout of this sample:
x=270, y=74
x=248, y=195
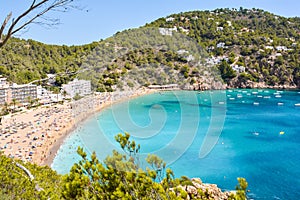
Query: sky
x=98, y=19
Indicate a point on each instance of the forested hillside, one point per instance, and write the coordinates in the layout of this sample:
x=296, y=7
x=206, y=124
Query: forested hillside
x=249, y=48
x=265, y=44
x=23, y=61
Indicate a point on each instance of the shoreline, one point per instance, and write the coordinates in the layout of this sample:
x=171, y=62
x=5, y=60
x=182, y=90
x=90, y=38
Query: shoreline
x=100, y=105
x=36, y=135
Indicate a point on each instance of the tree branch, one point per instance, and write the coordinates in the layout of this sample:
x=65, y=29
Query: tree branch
x=33, y=7
x=4, y=25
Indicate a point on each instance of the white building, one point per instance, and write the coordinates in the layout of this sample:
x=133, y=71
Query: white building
x=281, y=48
x=167, y=31
x=51, y=79
x=80, y=87
x=220, y=28
x=269, y=47
x=239, y=69
x=221, y=45
x=184, y=30
x=43, y=95
x=4, y=87
x=170, y=19
x=22, y=92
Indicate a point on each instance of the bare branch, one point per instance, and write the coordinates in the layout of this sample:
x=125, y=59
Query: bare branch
x=16, y=24
x=4, y=25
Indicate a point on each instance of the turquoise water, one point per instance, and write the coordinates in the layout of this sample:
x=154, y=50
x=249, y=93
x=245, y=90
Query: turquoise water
x=215, y=135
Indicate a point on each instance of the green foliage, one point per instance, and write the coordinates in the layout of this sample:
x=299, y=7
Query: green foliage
x=16, y=184
x=227, y=73
x=241, y=190
x=249, y=34
x=23, y=61
x=127, y=63
x=119, y=176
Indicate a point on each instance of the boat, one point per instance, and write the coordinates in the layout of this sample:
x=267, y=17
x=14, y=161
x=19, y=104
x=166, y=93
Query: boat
x=256, y=133
x=281, y=132
x=255, y=103
x=280, y=104
x=297, y=104
x=278, y=96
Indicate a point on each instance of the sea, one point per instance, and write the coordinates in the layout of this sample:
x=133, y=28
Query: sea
x=217, y=136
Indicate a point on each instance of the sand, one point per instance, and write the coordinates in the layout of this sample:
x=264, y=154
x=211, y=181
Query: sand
x=35, y=135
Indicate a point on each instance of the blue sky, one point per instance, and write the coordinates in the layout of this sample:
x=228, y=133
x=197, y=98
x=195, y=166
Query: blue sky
x=101, y=19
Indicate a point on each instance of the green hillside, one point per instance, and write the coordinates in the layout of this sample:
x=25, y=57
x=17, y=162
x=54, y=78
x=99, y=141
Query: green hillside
x=265, y=44
x=23, y=61
x=247, y=48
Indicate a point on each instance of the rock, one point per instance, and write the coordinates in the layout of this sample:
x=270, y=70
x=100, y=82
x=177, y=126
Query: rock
x=192, y=190
x=211, y=189
x=197, y=180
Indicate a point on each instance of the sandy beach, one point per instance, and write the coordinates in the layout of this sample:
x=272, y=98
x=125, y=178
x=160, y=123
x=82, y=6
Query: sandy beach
x=35, y=135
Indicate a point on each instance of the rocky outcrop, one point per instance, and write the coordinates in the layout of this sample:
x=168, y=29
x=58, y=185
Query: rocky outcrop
x=197, y=189
x=235, y=83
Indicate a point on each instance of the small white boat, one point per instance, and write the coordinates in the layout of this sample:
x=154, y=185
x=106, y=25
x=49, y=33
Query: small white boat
x=239, y=96
x=256, y=133
x=255, y=103
x=254, y=92
x=280, y=104
x=231, y=98
x=259, y=96
x=297, y=104
x=278, y=96
x=267, y=97
x=221, y=102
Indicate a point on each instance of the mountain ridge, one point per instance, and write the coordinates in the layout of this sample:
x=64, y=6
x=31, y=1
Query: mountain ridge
x=250, y=48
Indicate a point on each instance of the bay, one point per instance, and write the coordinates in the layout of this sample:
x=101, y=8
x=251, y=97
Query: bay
x=215, y=135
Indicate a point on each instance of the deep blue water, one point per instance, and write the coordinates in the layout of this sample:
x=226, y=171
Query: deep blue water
x=215, y=135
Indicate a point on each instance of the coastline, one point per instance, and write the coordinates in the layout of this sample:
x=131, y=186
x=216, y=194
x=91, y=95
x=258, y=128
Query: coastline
x=99, y=105
x=36, y=135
